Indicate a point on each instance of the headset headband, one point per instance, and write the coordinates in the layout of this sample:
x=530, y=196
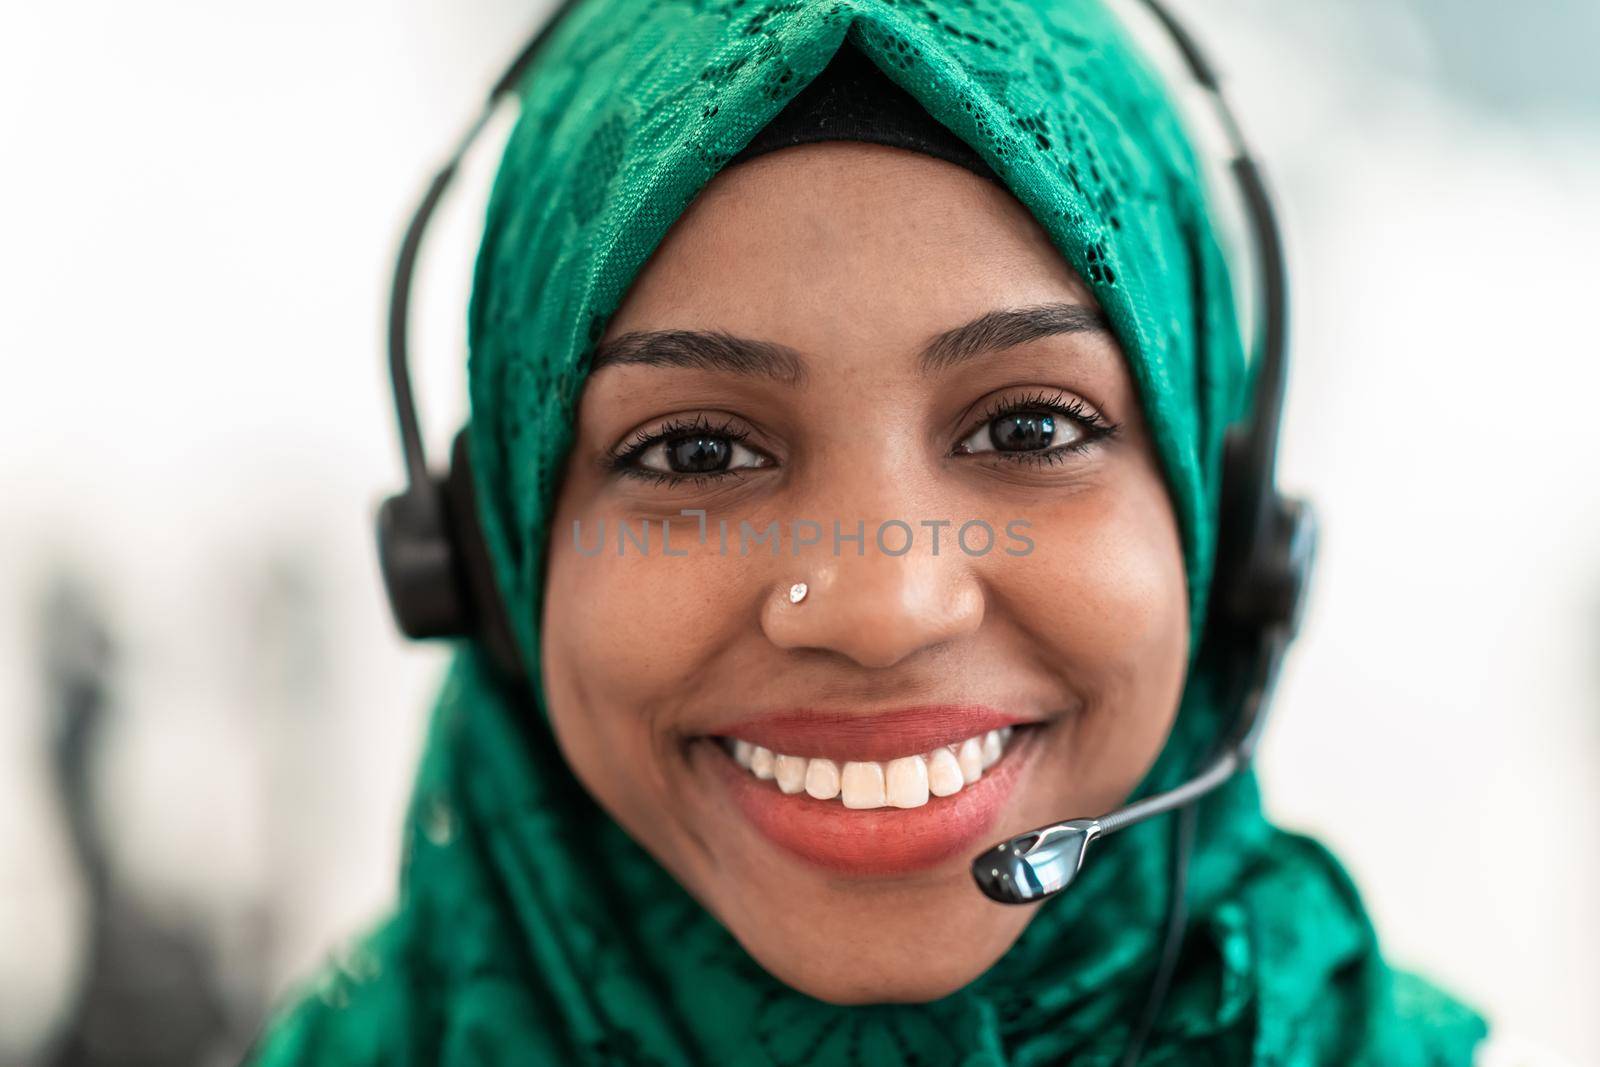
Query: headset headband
x=441, y=583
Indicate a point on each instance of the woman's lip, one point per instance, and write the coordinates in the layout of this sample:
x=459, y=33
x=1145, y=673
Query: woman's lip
x=882, y=736
x=880, y=841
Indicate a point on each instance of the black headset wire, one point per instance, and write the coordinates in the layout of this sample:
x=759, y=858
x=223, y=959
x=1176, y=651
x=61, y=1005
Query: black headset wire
x=411, y=446
x=1264, y=424
x=1183, y=833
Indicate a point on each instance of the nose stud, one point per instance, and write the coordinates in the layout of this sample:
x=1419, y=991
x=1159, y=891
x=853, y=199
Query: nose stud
x=797, y=592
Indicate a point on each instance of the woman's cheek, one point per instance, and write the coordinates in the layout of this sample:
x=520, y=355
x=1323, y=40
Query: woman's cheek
x=627, y=620
x=1105, y=576
x=1134, y=586
x=623, y=637
x=1105, y=593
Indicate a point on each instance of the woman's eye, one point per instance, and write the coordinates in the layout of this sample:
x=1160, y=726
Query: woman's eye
x=700, y=453
x=1023, y=431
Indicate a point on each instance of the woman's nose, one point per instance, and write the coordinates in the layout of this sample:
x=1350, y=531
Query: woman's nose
x=876, y=609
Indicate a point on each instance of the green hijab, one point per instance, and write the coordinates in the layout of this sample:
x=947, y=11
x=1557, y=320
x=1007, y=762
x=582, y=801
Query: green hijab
x=530, y=928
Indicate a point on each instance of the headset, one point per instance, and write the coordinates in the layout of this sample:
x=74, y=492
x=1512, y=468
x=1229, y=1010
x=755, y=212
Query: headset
x=441, y=584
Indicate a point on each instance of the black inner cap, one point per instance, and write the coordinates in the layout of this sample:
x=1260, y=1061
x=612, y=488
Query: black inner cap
x=852, y=100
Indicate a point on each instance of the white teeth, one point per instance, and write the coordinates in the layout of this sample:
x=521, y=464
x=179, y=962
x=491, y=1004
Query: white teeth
x=905, y=782
x=790, y=771
x=822, y=779
x=991, y=748
x=944, y=773
x=907, y=779
x=861, y=785
x=970, y=757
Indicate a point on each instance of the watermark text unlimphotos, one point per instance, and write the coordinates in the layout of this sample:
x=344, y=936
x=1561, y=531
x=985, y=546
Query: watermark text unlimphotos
x=892, y=537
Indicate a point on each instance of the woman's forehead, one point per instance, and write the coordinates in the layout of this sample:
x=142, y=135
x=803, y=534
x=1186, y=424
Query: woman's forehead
x=843, y=241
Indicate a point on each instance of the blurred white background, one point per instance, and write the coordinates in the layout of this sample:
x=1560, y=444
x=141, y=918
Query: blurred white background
x=199, y=210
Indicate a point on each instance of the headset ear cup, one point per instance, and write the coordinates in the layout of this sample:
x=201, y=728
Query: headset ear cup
x=489, y=620
x=1294, y=547
x=1266, y=546
x=418, y=563
x=1238, y=508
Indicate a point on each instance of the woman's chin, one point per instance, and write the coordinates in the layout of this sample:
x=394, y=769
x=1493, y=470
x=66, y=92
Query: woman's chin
x=940, y=958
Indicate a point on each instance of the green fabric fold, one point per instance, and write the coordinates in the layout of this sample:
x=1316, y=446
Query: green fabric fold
x=530, y=928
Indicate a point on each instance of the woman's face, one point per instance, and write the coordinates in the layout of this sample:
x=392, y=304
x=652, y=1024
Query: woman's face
x=847, y=337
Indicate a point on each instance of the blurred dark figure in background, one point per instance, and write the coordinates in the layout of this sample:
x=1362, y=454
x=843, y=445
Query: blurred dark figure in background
x=149, y=993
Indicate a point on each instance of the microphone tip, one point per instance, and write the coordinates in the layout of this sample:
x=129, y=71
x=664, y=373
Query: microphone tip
x=1035, y=865
x=1005, y=876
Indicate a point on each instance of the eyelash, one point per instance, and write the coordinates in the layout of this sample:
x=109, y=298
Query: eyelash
x=1095, y=427
x=622, y=457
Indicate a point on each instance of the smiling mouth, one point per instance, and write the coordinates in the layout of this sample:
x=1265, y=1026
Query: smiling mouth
x=902, y=782
x=875, y=795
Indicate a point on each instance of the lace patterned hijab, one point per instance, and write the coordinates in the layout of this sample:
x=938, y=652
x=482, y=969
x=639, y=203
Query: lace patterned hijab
x=530, y=928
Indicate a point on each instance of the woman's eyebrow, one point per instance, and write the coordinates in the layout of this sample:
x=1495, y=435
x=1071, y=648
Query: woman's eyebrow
x=719, y=350
x=703, y=350
x=1007, y=328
